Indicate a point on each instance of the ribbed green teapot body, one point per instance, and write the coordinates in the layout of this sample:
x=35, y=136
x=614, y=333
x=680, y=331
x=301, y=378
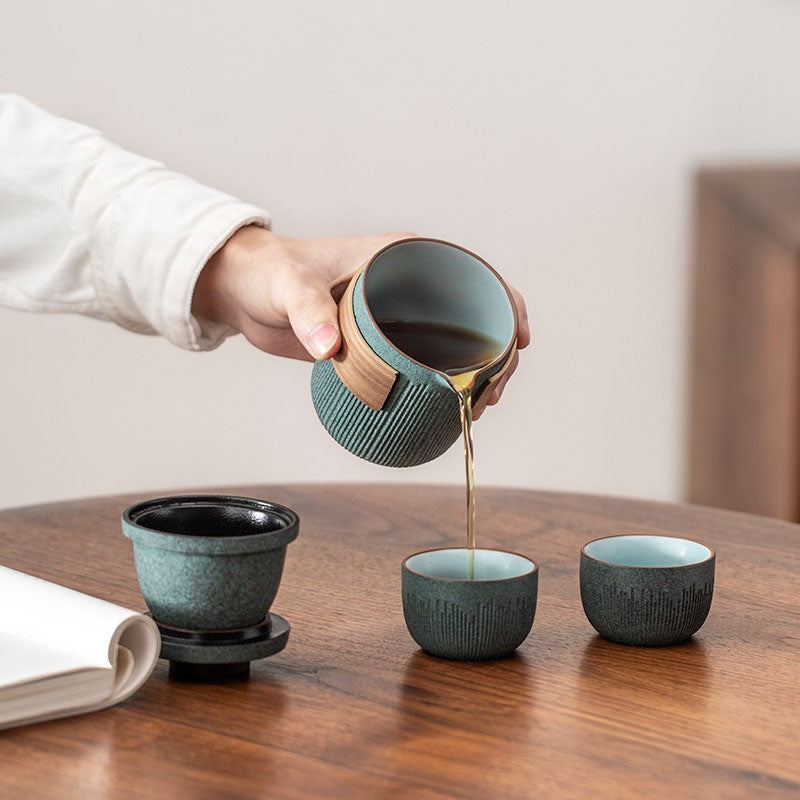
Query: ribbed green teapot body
x=419, y=419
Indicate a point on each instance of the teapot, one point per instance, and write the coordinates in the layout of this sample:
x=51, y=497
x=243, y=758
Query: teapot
x=377, y=401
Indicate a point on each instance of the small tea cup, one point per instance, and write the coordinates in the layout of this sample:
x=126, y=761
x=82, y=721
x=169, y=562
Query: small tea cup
x=209, y=562
x=646, y=590
x=452, y=616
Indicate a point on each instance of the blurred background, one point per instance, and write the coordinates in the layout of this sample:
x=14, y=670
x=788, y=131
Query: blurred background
x=559, y=141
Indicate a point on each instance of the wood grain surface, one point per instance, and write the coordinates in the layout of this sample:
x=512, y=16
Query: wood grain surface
x=352, y=708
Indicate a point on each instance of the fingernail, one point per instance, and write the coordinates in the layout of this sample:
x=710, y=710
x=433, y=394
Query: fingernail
x=322, y=338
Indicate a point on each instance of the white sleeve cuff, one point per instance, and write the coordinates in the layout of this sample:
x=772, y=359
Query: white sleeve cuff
x=180, y=326
x=152, y=242
x=92, y=228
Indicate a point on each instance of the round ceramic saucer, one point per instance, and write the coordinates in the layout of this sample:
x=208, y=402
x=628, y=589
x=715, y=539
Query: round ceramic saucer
x=221, y=654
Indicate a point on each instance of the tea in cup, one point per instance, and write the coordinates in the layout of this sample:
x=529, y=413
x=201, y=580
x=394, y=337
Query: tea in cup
x=451, y=615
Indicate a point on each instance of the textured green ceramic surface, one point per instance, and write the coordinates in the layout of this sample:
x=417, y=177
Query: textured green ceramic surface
x=653, y=599
x=416, y=425
x=452, y=617
x=209, y=562
x=420, y=419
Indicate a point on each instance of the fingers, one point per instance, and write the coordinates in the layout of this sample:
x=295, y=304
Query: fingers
x=524, y=331
x=501, y=384
x=523, y=340
x=313, y=315
x=309, y=282
x=280, y=341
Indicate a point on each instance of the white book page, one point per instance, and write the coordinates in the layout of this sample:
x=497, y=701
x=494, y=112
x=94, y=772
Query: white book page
x=49, y=632
x=61, y=618
x=20, y=658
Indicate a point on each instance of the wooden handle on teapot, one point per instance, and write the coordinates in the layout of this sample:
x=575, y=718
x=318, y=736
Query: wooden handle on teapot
x=480, y=404
x=359, y=368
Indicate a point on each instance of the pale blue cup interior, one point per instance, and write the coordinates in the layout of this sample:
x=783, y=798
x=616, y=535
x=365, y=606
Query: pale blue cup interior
x=434, y=282
x=648, y=551
x=451, y=564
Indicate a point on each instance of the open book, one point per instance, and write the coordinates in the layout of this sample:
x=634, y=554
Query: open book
x=63, y=652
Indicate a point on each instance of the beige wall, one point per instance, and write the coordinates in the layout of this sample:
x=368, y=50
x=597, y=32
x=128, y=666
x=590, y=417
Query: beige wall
x=555, y=139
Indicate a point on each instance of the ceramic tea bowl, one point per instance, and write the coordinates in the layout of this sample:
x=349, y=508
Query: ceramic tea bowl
x=450, y=616
x=209, y=562
x=646, y=590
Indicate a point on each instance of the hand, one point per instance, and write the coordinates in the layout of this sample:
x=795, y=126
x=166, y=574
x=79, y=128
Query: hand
x=281, y=293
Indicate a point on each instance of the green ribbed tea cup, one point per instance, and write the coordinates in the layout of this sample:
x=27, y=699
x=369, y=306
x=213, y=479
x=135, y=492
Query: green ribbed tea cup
x=378, y=402
x=646, y=590
x=451, y=616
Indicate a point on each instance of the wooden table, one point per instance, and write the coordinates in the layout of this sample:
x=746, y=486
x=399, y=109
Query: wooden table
x=353, y=709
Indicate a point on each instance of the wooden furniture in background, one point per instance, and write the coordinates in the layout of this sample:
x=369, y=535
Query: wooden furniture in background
x=353, y=709
x=745, y=379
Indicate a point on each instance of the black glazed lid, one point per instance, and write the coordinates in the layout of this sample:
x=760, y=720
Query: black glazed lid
x=210, y=524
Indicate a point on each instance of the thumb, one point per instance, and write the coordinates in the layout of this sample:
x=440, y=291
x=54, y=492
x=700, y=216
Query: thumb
x=313, y=315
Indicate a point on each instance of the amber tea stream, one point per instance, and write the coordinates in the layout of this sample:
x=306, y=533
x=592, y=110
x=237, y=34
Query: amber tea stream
x=460, y=354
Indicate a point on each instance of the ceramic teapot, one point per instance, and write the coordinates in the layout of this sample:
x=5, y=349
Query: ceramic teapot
x=375, y=400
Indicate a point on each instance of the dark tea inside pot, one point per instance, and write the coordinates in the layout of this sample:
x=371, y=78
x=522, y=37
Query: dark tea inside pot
x=440, y=306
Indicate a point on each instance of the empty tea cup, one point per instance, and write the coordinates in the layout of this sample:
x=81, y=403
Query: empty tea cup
x=646, y=589
x=452, y=616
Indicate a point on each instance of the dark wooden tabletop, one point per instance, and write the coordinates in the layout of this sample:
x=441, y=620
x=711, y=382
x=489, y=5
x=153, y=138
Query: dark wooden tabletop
x=353, y=709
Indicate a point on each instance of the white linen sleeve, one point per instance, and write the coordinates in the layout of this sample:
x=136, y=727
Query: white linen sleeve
x=89, y=228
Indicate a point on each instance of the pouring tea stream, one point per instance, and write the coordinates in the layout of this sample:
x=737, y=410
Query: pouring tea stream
x=428, y=330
